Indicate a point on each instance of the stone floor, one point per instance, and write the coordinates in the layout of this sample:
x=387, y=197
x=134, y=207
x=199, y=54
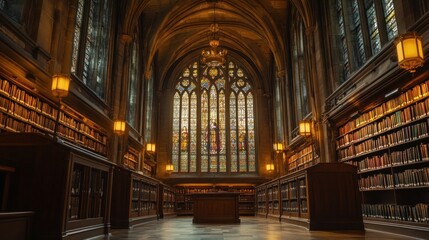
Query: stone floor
x=182, y=228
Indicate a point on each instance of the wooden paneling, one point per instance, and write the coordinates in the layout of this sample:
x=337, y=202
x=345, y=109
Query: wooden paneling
x=216, y=207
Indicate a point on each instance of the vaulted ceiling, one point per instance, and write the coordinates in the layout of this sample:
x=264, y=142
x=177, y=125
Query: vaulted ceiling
x=173, y=30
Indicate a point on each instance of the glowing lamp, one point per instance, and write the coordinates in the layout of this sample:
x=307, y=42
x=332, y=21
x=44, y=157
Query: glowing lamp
x=409, y=51
x=304, y=128
x=60, y=85
x=119, y=127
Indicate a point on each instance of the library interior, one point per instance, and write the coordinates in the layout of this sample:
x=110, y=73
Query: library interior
x=214, y=119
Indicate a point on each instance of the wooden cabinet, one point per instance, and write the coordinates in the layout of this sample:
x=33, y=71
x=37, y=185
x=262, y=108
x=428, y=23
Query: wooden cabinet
x=167, y=198
x=135, y=198
x=321, y=197
x=65, y=186
x=389, y=144
x=216, y=207
x=185, y=204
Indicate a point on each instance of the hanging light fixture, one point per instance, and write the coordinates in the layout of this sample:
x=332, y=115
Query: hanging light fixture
x=214, y=56
x=409, y=51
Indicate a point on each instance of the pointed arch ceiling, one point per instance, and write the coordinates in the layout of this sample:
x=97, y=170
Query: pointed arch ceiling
x=173, y=29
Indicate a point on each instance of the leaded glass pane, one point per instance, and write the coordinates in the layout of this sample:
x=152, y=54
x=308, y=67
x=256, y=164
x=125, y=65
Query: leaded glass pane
x=251, y=132
x=357, y=34
x=76, y=37
x=176, y=131
x=204, y=131
x=390, y=18
x=373, y=28
x=242, y=133
x=184, y=133
x=193, y=133
x=133, y=86
x=233, y=132
x=342, y=35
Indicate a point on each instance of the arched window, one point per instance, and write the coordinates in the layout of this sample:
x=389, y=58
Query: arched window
x=213, y=120
x=90, y=43
x=301, y=103
x=133, y=85
x=364, y=27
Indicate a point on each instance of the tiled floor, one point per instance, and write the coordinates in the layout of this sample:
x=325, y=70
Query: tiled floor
x=182, y=228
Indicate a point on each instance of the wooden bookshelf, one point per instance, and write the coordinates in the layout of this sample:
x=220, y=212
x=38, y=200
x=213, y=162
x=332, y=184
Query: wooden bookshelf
x=389, y=144
x=167, y=206
x=24, y=110
x=303, y=158
x=321, y=197
x=132, y=159
x=246, y=200
x=60, y=183
x=140, y=193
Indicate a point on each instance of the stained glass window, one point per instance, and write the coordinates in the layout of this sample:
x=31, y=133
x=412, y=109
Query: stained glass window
x=299, y=72
x=390, y=18
x=224, y=96
x=133, y=85
x=373, y=27
x=344, y=47
x=378, y=17
x=357, y=34
x=90, y=43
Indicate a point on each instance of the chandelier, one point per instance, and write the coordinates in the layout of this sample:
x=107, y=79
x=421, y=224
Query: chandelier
x=214, y=56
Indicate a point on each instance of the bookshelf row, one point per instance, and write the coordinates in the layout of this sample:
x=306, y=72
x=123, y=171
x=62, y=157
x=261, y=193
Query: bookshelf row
x=184, y=202
x=22, y=110
x=389, y=145
x=403, y=135
x=412, y=155
x=407, y=178
x=302, y=159
x=408, y=213
x=144, y=198
x=412, y=96
x=131, y=159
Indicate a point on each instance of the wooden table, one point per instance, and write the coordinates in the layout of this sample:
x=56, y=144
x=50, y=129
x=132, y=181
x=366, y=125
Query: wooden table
x=216, y=207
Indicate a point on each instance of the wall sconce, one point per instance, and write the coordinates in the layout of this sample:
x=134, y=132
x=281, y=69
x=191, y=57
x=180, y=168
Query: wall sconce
x=270, y=167
x=305, y=128
x=119, y=127
x=169, y=168
x=278, y=147
x=409, y=51
x=150, y=148
x=60, y=85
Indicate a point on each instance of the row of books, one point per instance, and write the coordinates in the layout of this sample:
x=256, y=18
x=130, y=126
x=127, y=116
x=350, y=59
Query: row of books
x=396, y=119
x=409, y=155
x=131, y=160
x=302, y=158
x=302, y=189
x=413, y=95
x=82, y=128
x=291, y=206
x=410, y=213
x=403, y=135
x=288, y=191
x=74, y=207
x=33, y=118
x=404, y=179
x=28, y=113
x=273, y=206
x=15, y=125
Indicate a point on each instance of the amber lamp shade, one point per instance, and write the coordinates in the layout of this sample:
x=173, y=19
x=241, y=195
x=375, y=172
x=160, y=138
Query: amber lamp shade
x=270, y=167
x=119, y=127
x=278, y=147
x=169, y=168
x=150, y=147
x=60, y=85
x=409, y=51
x=304, y=128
